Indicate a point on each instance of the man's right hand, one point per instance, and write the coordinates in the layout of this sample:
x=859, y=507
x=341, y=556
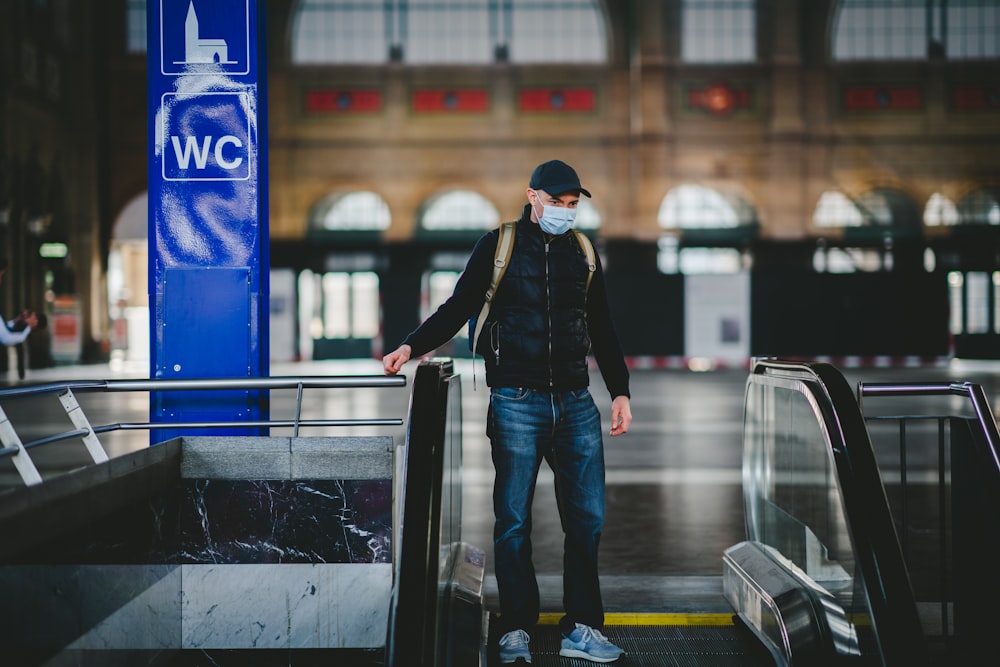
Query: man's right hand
x=27, y=317
x=393, y=362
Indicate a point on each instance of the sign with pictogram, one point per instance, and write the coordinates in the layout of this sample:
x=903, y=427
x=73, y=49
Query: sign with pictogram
x=194, y=33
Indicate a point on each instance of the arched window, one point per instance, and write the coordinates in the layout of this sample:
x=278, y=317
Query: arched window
x=915, y=29
x=981, y=207
x=889, y=208
x=697, y=207
x=719, y=31
x=457, y=214
x=338, y=310
x=459, y=210
x=878, y=216
x=834, y=209
x=881, y=207
x=452, y=32
x=940, y=211
x=355, y=211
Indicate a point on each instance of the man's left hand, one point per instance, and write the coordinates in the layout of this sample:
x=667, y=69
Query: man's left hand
x=621, y=415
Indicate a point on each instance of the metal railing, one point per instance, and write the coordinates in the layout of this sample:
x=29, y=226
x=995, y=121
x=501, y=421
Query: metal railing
x=978, y=401
x=12, y=446
x=945, y=501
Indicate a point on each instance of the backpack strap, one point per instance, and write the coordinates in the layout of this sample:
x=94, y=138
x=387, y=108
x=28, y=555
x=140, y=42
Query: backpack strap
x=588, y=251
x=505, y=246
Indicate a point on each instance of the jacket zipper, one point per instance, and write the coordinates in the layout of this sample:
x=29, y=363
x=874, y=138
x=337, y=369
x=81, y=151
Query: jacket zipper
x=495, y=328
x=548, y=309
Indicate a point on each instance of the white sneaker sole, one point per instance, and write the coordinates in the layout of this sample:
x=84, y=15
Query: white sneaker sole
x=574, y=653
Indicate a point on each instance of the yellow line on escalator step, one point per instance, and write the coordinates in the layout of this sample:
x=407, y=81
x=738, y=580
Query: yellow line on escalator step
x=621, y=618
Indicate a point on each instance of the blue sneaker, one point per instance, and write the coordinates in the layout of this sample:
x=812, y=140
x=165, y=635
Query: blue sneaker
x=589, y=644
x=514, y=646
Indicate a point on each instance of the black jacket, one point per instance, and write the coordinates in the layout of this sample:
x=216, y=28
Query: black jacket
x=543, y=322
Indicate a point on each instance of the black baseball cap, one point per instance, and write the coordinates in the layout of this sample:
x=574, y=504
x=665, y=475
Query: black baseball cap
x=555, y=177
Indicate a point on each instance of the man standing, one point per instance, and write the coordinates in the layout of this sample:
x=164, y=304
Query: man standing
x=16, y=330
x=546, y=317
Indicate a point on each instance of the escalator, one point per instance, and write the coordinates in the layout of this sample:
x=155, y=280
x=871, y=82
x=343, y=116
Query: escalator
x=438, y=616
x=821, y=579
x=866, y=544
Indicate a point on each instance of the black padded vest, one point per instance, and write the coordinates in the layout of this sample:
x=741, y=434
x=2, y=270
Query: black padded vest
x=536, y=334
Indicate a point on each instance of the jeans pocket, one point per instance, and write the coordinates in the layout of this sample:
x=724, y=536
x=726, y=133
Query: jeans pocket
x=510, y=393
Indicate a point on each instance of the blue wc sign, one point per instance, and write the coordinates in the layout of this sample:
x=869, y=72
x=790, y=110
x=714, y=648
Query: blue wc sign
x=208, y=232
x=206, y=136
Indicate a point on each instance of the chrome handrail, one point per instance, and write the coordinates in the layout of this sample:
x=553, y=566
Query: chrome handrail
x=12, y=446
x=188, y=384
x=974, y=392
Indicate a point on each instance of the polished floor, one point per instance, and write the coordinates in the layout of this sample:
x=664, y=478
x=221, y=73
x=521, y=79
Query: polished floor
x=674, y=499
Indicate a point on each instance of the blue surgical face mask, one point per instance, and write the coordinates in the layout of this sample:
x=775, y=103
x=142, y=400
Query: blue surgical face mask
x=556, y=220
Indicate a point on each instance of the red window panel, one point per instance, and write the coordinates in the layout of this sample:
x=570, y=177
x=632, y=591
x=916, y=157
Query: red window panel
x=322, y=101
x=441, y=101
x=975, y=97
x=883, y=98
x=558, y=99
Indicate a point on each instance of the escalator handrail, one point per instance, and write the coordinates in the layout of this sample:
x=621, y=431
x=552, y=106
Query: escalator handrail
x=869, y=518
x=411, y=632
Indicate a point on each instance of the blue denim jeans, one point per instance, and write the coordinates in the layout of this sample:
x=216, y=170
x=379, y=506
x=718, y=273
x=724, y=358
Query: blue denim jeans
x=564, y=428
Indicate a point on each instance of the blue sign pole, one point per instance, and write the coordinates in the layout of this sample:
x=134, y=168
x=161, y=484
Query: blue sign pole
x=208, y=232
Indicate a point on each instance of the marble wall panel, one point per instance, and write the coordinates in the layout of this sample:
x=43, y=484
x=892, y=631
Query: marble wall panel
x=296, y=606
x=278, y=521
